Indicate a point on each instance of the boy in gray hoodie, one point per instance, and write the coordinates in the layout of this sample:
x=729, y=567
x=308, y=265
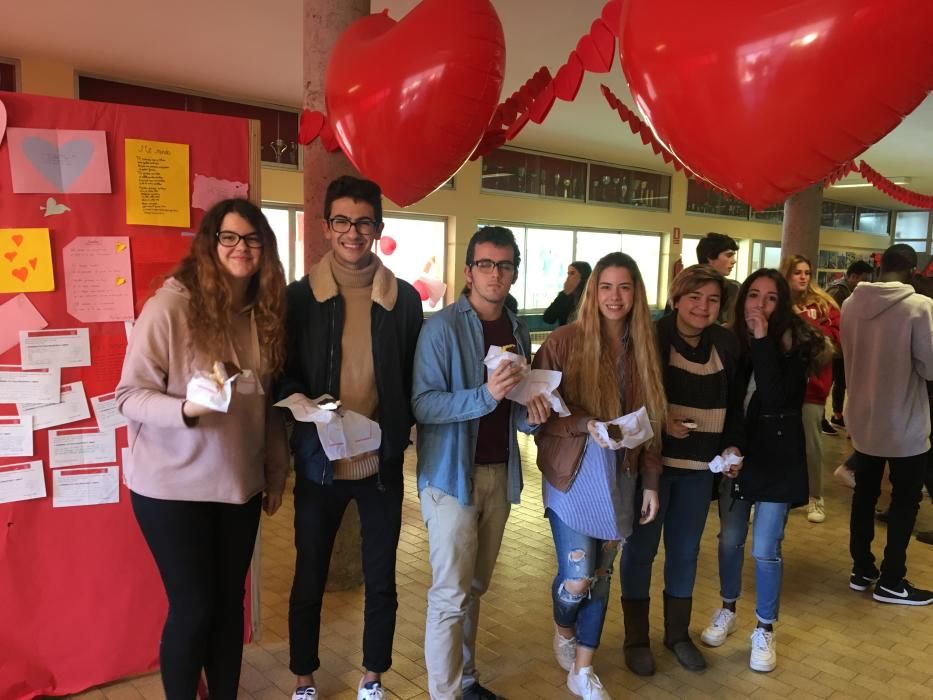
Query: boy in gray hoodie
x=887, y=342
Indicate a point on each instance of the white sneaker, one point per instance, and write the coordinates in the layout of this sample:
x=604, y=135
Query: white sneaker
x=374, y=693
x=305, y=692
x=565, y=650
x=845, y=476
x=585, y=684
x=721, y=626
x=816, y=511
x=764, y=653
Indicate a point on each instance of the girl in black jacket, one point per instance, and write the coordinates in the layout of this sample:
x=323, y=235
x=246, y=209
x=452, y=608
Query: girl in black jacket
x=781, y=351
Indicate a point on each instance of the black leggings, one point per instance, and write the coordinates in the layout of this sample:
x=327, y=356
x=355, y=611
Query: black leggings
x=203, y=551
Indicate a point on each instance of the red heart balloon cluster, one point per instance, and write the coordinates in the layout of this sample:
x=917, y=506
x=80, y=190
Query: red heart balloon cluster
x=765, y=98
x=409, y=101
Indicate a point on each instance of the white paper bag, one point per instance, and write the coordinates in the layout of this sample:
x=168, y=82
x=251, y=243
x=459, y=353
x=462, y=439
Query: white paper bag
x=635, y=427
x=342, y=433
x=214, y=390
x=534, y=381
x=720, y=464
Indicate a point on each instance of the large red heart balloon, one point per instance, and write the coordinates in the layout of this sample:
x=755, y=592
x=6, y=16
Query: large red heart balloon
x=765, y=98
x=409, y=101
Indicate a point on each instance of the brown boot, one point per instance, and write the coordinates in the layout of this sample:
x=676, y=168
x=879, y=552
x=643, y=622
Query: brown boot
x=677, y=633
x=637, y=646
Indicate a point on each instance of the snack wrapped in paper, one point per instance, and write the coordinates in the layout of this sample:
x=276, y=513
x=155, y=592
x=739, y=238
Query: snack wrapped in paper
x=534, y=381
x=342, y=433
x=722, y=464
x=213, y=389
x=635, y=428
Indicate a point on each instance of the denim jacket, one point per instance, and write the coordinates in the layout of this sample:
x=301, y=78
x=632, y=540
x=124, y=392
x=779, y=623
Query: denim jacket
x=449, y=396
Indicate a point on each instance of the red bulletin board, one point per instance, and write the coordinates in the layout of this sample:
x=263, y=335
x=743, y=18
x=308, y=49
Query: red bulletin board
x=81, y=602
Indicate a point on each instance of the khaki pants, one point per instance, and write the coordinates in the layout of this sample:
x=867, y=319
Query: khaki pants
x=464, y=542
x=813, y=415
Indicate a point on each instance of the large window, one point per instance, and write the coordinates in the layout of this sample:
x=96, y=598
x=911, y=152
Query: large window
x=913, y=228
x=413, y=248
x=288, y=226
x=739, y=272
x=546, y=253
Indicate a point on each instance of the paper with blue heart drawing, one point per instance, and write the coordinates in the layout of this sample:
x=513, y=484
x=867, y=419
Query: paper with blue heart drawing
x=58, y=160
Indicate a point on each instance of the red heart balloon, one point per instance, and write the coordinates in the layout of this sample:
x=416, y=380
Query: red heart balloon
x=410, y=100
x=765, y=98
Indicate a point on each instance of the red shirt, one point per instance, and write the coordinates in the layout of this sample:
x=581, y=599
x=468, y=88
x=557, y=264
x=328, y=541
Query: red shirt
x=492, y=443
x=818, y=385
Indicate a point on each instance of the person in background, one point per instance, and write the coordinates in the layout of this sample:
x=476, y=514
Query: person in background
x=782, y=351
x=887, y=341
x=818, y=309
x=197, y=477
x=840, y=290
x=469, y=466
x=608, y=357
x=564, y=307
x=351, y=333
x=701, y=363
x=718, y=251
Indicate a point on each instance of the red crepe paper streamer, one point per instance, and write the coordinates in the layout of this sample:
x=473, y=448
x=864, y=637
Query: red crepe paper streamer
x=639, y=127
x=901, y=194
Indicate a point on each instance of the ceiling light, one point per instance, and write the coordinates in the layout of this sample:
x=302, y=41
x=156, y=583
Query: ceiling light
x=847, y=185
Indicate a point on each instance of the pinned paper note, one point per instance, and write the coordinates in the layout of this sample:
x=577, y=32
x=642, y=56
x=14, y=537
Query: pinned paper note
x=69, y=407
x=73, y=446
x=98, y=276
x=58, y=160
x=18, y=314
x=53, y=208
x=208, y=191
x=25, y=260
x=157, y=183
x=55, y=347
x=85, y=486
x=22, y=482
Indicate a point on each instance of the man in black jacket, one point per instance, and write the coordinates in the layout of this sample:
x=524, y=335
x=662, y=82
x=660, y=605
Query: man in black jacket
x=351, y=333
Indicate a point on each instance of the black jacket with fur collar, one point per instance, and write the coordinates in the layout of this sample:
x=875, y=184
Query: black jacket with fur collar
x=314, y=327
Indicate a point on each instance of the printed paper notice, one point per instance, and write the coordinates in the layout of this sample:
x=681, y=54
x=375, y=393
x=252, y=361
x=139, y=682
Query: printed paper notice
x=58, y=347
x=157, y=183
x=75, y=446
x=21, y=482
x=105, y=410
x=29, y=385
x=70, y=408
x=208, y=191
x=58, y=160
x=98, y=279
x=85, y=486
x=25, y=261
x=16, y=436
x=18, y=314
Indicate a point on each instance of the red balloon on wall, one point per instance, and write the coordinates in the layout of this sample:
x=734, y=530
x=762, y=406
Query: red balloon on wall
x=387, y=245
x=409, y=100
x=422, y=289
x=765, y=98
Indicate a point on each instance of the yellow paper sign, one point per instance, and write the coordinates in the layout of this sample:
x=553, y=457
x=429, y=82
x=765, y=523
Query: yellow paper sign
x=25, y=260
x=157, y=183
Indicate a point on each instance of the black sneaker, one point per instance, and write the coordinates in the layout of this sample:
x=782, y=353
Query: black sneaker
x=839, y=422
x=827, y=428
x=860, y=582
x=478, y=692
x=902, y=594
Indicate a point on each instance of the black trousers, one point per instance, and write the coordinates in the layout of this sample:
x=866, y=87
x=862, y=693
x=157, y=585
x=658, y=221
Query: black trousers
x=318, y=512
x=907, y=475
x=839, y=385
x=203, y=552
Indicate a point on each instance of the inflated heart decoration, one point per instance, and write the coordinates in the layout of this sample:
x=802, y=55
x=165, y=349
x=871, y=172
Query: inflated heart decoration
x=409, y=101
x=765, y=98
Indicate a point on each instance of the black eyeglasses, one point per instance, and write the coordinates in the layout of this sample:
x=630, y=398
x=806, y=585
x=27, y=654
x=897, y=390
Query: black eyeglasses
x=229, y=239
x=486, y=265
x=341, y=224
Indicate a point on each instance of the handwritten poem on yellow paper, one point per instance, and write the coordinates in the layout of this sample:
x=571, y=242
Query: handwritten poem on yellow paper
x=157, y=183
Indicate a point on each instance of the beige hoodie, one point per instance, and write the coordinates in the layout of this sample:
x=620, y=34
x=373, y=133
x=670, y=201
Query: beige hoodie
x=225, y=457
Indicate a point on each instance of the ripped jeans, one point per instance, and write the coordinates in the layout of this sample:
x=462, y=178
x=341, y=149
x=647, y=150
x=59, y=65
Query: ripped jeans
x=581, y=558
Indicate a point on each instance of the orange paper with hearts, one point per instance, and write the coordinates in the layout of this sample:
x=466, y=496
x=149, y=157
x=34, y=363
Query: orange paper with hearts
x=25, y=261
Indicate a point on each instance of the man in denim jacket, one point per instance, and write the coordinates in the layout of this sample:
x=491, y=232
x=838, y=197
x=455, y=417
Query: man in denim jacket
x=469, y=469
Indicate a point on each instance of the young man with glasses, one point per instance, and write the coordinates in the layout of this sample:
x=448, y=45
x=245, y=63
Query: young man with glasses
x=469, y=469
x=351, y=332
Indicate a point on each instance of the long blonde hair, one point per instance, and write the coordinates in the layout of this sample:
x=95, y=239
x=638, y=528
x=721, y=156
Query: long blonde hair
x=590, y=375
x=813, y=294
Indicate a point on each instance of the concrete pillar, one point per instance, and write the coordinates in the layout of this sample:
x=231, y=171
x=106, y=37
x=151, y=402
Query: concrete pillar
x=323, y=22
x=802, y=214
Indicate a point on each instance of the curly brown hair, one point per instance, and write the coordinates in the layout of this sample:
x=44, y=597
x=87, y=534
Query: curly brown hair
x=211, y=302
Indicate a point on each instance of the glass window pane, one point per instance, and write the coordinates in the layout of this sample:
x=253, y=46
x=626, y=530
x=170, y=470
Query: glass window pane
x=518, y=287
x=592, y=245
x=772, y=256
x=688, y=253
x=919, y=246
x=299, y=244
x=646, y=250
x=873, y=220
x=548, y=252
x=911, y=224
x=278, y=220
x=417, y=253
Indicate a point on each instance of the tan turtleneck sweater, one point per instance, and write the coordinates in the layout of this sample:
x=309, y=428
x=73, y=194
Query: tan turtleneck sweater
x=357, y=375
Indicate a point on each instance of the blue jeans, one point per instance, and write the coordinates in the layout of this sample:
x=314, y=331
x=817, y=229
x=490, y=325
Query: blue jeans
x=684, y=504
x=581, y=557
x=767, y=533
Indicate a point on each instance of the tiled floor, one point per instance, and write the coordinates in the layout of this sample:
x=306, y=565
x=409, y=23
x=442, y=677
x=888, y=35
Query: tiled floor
x=832, y=642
